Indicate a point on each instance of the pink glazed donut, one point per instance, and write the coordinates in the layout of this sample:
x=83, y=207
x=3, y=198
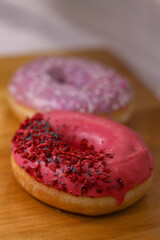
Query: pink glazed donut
x=81, y=163
x=70, y=84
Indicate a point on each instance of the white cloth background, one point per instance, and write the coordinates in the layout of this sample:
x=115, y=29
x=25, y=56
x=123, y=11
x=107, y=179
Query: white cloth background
x=131, y=28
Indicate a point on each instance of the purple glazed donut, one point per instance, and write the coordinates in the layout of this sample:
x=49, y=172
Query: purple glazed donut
x=75, y=84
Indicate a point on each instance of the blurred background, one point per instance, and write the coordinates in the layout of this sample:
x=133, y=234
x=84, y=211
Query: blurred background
x=129, y=28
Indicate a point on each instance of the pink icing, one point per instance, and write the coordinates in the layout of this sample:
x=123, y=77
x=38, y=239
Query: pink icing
x=132, y=162
x=70, y=84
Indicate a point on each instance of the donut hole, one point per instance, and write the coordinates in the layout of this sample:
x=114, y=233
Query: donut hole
x=57, y=76
x=74, y=135
x=75, y=77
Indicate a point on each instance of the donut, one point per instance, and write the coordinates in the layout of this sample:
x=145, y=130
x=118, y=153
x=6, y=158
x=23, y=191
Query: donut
x=72, y=84
x=81, y=163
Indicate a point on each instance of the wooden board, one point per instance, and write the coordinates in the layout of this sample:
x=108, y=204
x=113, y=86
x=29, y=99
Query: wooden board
x=23, y=217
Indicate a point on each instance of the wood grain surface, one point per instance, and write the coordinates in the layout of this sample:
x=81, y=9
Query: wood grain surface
x=23, y=217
